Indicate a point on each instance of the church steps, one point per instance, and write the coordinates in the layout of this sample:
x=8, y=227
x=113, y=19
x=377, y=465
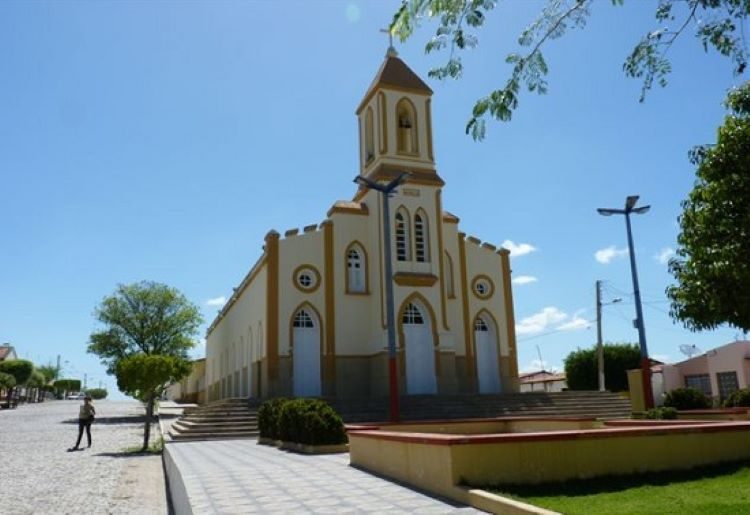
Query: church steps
x=227, y=418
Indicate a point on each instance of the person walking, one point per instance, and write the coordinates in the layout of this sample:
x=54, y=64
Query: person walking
x=85, y=418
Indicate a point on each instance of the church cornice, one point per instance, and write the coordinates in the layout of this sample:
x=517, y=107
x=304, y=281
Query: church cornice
x=349, y=208
x=421, y=176
x=414, y=279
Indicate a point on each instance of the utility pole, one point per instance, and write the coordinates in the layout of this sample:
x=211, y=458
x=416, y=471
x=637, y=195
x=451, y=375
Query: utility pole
x=58, y=367
x=599, y=344
x=84, y=380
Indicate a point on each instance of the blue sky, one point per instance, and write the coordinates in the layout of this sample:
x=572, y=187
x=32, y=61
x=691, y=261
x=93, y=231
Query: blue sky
x=162, y=140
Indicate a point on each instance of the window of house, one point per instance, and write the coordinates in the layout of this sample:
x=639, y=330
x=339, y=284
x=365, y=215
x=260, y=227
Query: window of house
x=420, y=237
x=728, y=383
x=700, y=382
x=412, y=315
x=402, y=235
x=355, y=270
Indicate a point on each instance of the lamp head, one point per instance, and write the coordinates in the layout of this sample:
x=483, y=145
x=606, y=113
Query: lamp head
x=630, y=202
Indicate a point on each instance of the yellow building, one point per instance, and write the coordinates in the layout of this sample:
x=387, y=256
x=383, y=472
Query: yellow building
x=309, y=318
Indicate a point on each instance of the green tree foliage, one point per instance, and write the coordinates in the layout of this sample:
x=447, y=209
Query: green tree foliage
x=97, y=393
x=145, y=377
x=718, y=24
x=7, y=381
x=711, y=265
x=67, y=385
x=50, y=372
x=738, y=399
x=144, y=318
x=36, y=379
x=581, y=367
x=20, y=369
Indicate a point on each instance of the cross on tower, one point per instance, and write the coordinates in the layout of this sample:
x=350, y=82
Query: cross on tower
x=390, y=37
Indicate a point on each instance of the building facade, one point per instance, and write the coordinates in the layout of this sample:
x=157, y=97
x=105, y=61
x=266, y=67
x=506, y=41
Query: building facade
x=309, y=318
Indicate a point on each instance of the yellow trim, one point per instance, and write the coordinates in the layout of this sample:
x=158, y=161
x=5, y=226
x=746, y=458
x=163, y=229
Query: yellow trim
x=329, y=383
x=450, y=218
x=443, y=284
x=361, y=193
x=360, y=122
x=497, y=342
x=433, y=325
x=389, y=87
x=310, y=289
x=419, y=175
x=246, y=282
x=305, y=305
x=349, y=210
x=369, y=135
x=428, y=114
x=450, y=286
x=414, y=279
x=465, y=301
x=272, y=305
x=383, y=123
x=366, y=269
x=474, y=282
x=414, y=135
x=510, y=323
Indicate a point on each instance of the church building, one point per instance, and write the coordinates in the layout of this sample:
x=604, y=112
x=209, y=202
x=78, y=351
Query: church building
x=309, y=318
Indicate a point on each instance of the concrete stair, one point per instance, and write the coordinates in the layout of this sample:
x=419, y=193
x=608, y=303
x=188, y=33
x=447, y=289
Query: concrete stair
x=227, y=418
x=602, y=405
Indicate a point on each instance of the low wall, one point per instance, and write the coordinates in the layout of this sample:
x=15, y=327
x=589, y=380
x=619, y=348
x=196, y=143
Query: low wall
x=484, y=425
x=440, y=462
x=177, y=490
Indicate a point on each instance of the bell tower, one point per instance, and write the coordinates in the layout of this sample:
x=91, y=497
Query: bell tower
x=395, y=126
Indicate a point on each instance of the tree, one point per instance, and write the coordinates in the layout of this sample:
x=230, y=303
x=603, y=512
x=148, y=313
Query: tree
x=51, y=372
x=718, y=24
x=37, y=382
x=67, y=385
x=97, y=393
x=711, y=264
x=7, y=381
x=144, y=318
x=145, y=377
x=20, y=369
x=581, y=367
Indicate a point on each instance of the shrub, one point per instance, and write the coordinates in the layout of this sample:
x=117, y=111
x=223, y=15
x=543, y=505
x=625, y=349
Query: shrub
x=663, y=413
x=97, y=393
x=311, y=422
x=268, y=418
x=687, y=398
x=68, y=385
x=581, y=367
x=7, y=380
x=738, y=399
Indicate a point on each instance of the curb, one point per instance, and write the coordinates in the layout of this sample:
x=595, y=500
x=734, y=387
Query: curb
x=178, y=495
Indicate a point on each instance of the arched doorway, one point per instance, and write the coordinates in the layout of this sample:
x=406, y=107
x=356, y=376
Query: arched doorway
x=485, y=343
x=306, y=354
x=420, y=350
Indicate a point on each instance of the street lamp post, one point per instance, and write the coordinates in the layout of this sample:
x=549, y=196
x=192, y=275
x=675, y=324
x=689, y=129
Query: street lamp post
x=386, y=191
x=645, y=362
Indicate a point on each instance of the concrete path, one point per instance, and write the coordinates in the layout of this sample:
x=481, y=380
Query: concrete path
x=39, y=475
x=240, y=476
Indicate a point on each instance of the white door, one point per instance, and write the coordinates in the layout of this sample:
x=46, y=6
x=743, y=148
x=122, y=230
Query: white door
x=487, y=358
x=306, y=355
x=420, y=354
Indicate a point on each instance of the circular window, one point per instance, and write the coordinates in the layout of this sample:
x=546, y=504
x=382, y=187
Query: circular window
x=482, y=287
x=306, y=278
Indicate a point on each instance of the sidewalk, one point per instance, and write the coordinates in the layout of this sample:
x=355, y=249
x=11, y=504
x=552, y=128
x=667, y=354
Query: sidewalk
x=240, y=476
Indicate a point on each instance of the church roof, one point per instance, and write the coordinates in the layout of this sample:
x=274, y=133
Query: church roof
x=394, y=73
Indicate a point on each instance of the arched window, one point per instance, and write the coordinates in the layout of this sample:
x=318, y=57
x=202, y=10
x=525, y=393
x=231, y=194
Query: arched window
x=412, y=315
x=403, y=245
x=369, y=136
x=406, y=120
x=421, y=247
x=356, y=270
x=303, y=319
x=480, y=325
x=449, y=285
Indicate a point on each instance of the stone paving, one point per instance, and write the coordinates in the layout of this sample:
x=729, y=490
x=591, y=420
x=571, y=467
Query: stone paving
x=240, y=476
x=39, y=475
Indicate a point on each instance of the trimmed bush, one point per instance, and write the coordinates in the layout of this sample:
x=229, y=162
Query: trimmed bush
x=738, y=399
x=310, y=422
x=686, y=399
x=581, y=367
x=97, y=393
x=268, y=418
x=661, y=414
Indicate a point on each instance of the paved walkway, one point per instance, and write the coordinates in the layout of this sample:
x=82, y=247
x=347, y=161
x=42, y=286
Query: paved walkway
x=240, y=476
x=39, y=476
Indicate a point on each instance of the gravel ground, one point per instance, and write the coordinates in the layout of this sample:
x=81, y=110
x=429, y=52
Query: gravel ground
x=40, y=476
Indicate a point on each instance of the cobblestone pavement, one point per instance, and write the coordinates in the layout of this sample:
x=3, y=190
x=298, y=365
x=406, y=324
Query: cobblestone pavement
x=40, y=476
x=240, y=476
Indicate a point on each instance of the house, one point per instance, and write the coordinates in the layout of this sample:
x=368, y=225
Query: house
x=309, y=318
x=7, y=352
x=542, y=381
x=717, y=373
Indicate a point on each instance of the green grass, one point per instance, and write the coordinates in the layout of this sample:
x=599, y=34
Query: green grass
x=155, y=447
x=721, y=490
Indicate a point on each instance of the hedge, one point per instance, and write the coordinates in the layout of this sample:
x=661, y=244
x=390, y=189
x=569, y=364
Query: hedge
x=305, y=421
x=664, y=413
x=738, y=399
x=686, y=399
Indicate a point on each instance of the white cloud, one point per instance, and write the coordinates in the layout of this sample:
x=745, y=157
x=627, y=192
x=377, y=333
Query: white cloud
x=605, y=256
x=518, y=249
x=540, y=321
x=575, y=323
x=218, y=301
x=665, y=255
x=525, y=279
